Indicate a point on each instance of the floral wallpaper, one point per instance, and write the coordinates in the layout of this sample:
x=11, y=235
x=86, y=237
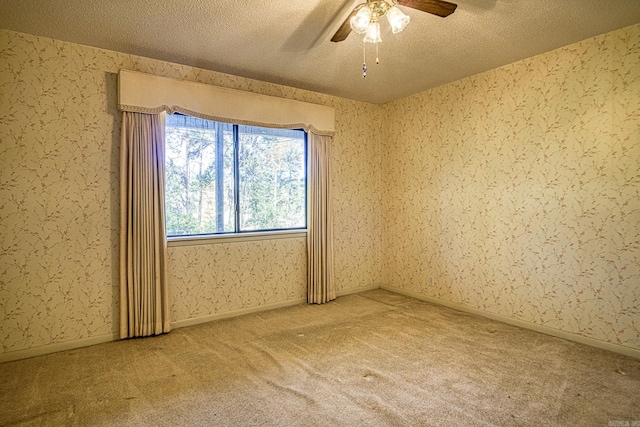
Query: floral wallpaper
x=59, y=200
x=517, y=191
x=219, y=278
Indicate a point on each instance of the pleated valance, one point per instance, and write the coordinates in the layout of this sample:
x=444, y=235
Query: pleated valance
x=146, y=93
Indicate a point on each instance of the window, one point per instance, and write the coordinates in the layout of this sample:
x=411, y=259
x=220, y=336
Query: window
x=225, y=178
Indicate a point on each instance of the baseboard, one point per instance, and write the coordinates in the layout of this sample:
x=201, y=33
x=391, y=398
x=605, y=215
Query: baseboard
x=54, y=348
x=85, y=342
x=357, y=290
x=218, y=316
x=100, y=339
x=228, y=314
x=234, y=313
x=627, y=351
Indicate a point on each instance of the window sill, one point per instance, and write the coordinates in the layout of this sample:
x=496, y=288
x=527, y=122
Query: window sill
x=234, y=238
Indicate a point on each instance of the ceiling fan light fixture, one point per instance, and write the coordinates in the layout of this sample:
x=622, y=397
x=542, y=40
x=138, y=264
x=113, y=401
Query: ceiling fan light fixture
x=397, y=20
x=360, y=21
x=363, y=19
x=373, y=33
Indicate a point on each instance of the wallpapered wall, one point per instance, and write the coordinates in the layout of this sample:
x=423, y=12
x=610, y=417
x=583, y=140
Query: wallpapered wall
x=517, y=191
x=59, y=200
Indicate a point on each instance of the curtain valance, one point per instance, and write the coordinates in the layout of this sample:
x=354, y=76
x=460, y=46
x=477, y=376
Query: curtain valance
x=146, y=93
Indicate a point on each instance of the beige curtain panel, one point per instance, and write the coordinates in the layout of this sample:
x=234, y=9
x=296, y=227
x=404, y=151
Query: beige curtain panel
x=320, y=277
x=144, y=303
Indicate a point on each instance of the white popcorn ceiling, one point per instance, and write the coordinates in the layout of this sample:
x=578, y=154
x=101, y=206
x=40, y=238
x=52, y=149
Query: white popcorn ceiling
x=288, y=41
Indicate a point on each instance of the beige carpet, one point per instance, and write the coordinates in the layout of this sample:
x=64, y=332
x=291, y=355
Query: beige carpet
x=371, y=359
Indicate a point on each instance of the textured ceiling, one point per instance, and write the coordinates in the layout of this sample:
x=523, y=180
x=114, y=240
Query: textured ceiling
x=288, y=41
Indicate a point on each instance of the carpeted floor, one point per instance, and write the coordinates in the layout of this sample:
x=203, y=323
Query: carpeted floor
x=370, y=359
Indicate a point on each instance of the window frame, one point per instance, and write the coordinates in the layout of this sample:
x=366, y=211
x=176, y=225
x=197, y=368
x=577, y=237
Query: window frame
x=246, y=235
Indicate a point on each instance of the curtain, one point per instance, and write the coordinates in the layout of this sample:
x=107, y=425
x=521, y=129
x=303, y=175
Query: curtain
x=144, y=303
x=320, y=279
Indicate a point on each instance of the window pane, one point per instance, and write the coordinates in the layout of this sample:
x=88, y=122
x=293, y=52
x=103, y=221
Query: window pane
x=272, y=178
x=199, y=176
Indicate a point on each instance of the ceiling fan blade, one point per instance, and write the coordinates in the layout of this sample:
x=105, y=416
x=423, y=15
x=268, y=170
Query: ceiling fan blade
x=345, y=29
x=435, y=7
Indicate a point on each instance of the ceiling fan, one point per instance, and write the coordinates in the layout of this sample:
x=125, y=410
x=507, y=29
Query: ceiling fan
x=365, y=14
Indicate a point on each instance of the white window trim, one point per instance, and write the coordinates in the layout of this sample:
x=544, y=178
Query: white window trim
x=247, y=236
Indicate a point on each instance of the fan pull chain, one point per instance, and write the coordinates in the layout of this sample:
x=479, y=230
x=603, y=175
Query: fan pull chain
x=364, y=60
x=377, y=57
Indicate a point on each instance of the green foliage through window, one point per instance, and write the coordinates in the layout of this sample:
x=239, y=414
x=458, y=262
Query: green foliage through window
x=224, y=178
